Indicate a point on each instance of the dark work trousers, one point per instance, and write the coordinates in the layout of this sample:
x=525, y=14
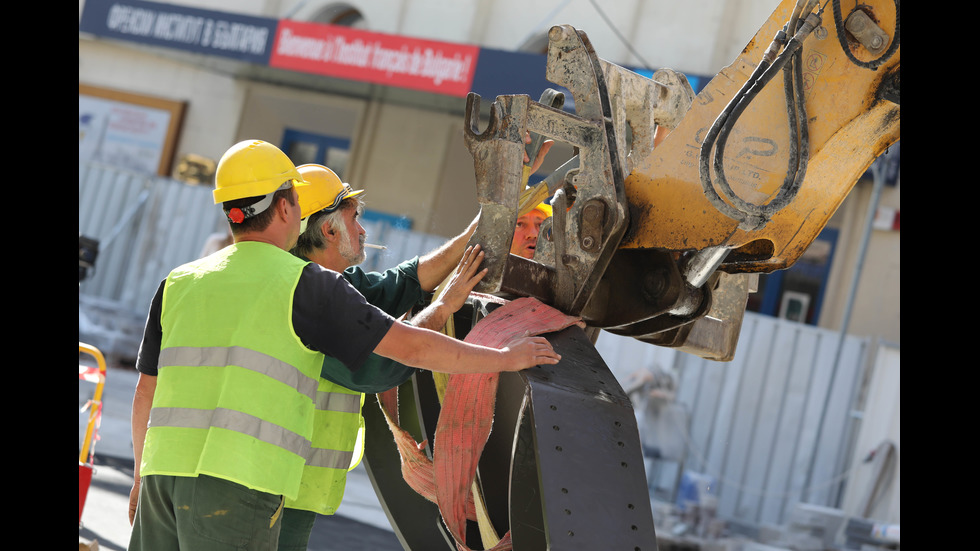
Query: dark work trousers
x=204, y=513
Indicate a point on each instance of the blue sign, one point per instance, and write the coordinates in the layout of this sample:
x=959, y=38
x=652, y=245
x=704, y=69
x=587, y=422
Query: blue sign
x=240, y=37
x=503, y=73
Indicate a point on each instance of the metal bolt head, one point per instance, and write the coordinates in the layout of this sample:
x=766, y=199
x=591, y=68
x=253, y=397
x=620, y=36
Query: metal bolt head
x=866, y=31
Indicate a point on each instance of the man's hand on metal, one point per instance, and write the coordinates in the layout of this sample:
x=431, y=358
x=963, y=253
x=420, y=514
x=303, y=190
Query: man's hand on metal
x=463, y=279
x=529, y=352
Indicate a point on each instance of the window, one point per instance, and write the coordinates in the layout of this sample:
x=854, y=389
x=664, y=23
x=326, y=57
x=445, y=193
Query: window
x=306, y=147
x=131, y=131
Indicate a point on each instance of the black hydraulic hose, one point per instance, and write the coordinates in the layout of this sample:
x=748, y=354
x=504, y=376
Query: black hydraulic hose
x=755, y=216
x=801, y=145
x=752, y=216
x=711, y=136
x=767, y=210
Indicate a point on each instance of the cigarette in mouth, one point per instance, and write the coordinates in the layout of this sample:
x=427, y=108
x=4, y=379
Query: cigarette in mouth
x=373, y=246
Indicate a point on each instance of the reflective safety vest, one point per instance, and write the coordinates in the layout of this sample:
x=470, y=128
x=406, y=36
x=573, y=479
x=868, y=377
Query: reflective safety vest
x=338, y=439
x=238, y=395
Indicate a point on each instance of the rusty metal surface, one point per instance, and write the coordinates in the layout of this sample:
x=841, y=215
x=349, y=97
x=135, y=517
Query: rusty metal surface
x=498, y=157
x=572, y=64
x=616, y=111
x=714, y=336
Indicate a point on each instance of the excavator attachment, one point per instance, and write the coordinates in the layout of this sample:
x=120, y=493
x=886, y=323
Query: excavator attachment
x=664, y=243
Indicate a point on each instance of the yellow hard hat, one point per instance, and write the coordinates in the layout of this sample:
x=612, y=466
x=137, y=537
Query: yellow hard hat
x=324, y=192
x=253, y=168
x=545, y=208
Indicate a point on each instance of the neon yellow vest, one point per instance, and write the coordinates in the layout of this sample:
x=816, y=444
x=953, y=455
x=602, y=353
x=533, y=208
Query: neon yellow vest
x=337, y=447
x=238, y=392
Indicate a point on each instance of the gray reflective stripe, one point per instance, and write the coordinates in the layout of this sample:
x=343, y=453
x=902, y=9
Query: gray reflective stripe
x=250, y=425
x=338, y=401
x=242, y=357
x=232, y=420
x=331, y=459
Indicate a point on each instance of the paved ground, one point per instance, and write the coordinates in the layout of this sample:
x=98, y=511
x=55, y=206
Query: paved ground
x=359, y=525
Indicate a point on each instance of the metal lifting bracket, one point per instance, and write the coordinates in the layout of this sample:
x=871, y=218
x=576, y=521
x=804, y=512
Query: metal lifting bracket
x=584, y=228
x=616, y=110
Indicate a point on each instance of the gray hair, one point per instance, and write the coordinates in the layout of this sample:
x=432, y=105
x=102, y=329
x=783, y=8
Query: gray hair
x=312, y=239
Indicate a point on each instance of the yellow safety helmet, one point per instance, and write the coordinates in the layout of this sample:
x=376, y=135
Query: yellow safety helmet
x=324, y=192
x=253, y=168
x=544, y=208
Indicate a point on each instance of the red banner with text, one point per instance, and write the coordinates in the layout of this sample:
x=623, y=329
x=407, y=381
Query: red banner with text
x=391, y=60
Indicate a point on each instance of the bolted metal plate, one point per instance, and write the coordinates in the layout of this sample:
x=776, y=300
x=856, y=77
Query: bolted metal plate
x=577, y=474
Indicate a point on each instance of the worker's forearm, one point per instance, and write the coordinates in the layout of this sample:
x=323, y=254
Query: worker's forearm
x=437, y=265
x=425, y=349
x=142, y=402
x=433, y=317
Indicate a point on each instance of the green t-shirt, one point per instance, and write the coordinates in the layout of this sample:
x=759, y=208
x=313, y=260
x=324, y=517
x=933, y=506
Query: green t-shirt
x=395, y=291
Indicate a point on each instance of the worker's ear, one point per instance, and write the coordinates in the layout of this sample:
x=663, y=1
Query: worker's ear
x=328, y=232
x=282, y=206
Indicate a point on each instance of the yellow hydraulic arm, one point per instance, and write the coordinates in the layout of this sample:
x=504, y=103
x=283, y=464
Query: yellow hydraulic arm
x=848, y=115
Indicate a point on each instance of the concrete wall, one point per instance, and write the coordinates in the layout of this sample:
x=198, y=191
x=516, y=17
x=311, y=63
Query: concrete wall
x=268, y=110
x=407, y=148
x=876, y=309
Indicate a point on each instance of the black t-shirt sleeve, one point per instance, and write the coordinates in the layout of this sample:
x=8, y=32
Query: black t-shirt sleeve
x=149, y=354
x=331, y=317
x=395, y=291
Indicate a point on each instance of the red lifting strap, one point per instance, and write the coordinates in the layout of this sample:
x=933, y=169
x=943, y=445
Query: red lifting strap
x=466, y=418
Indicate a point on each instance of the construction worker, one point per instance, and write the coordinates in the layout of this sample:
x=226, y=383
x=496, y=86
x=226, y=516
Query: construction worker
x=333, y=237
x=528, y=225
x=527, y=229
x=229, y=390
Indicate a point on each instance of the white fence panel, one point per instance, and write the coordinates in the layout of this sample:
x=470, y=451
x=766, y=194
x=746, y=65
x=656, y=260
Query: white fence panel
x=754, y=422
x=145, y=225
